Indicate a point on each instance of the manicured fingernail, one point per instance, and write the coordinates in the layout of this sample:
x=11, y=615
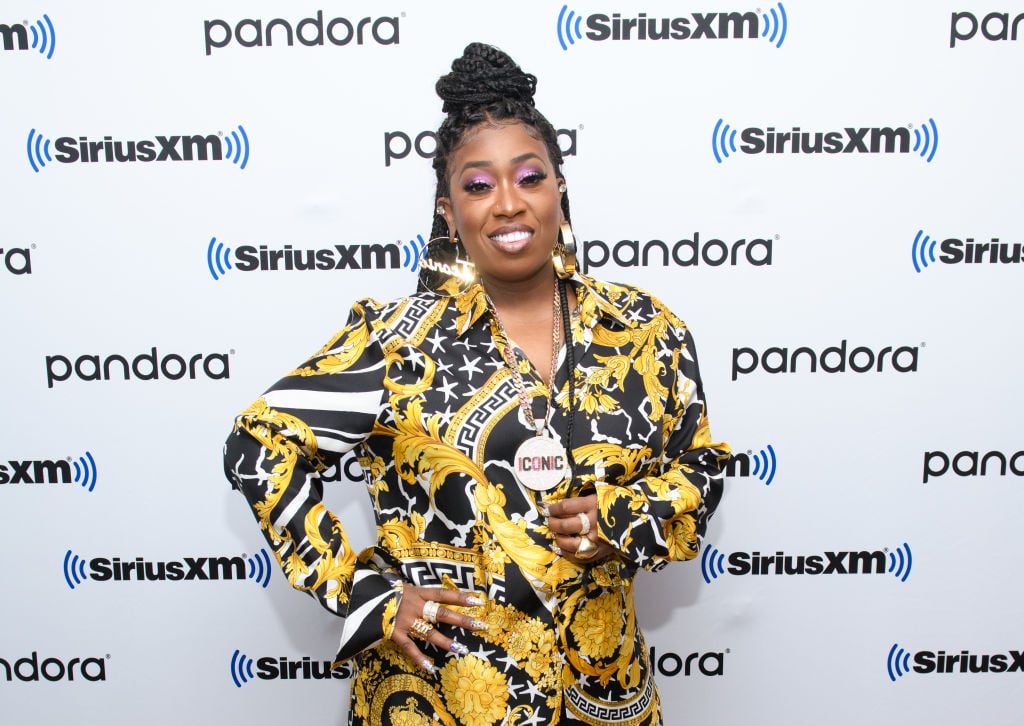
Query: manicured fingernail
x=458, y=648
x=477, y=624
x=474, y=600
x=545, y=510
x=428, y=666
x=556, y=549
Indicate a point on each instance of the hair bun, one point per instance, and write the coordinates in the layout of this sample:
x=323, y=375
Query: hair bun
x=484, y=75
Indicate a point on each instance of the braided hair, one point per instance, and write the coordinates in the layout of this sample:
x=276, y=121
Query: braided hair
x=485, y=85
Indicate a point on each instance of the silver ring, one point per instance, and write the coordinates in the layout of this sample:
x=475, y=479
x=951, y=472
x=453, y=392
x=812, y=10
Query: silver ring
x=586, y=550
x=584, y=524
x=430, y=609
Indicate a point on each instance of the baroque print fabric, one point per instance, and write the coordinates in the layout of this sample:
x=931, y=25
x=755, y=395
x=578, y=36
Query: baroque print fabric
x=418, y=390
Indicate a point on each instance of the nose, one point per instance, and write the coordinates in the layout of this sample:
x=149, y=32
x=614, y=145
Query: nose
x=508, y=202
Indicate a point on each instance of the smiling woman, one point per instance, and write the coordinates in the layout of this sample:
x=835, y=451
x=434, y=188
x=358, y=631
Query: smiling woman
x=531, y=437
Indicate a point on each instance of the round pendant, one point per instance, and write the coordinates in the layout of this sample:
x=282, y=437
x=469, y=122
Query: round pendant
x=541, y=463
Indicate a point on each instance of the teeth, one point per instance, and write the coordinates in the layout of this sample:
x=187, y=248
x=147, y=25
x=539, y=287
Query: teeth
x=510, y=237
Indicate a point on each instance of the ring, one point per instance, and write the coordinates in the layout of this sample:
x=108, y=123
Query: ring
x=421, y=628
x=430, y=608
x=586, y=550
x=584, y=524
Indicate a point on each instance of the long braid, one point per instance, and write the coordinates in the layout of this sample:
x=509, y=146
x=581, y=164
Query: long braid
x=485, y=85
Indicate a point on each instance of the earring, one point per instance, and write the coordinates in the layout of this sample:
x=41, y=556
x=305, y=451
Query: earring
x=456, y=276
x=439, y=211
x=561, y=187
x=563, y=257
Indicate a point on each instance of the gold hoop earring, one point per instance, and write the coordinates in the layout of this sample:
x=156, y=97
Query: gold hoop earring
x=563, y=257
x=455, y=276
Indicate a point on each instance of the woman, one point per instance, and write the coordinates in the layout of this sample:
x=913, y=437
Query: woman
x=513, y=504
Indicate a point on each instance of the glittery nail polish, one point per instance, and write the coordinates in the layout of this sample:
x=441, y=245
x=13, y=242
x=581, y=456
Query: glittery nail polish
x=428, y=666
x=474, y=600
x=458, y=648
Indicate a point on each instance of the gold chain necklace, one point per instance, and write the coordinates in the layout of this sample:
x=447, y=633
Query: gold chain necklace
x=540, y=461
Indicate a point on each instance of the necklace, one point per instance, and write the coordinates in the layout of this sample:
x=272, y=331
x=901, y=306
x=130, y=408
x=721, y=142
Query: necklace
x=540, y=461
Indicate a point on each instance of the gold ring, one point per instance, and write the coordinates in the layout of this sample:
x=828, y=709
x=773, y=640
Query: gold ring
x=584, y=524
x=421, y=628
x=430, y=608
x=586, y=550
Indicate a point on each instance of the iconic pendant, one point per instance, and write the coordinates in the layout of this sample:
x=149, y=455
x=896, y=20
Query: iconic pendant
x=541, y=463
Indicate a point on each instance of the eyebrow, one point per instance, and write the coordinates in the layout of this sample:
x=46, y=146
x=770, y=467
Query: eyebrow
x=515, y=160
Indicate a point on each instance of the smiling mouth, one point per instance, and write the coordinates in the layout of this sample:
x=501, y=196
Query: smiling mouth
x=512, y=237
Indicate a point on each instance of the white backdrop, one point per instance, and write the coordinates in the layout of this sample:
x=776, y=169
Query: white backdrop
x=134, y=581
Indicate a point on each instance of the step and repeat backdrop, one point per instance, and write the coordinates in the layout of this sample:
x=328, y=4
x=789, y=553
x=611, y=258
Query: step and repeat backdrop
x=828, y=193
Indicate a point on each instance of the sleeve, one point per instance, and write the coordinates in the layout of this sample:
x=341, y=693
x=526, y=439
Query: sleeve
x=663, y=517
x=274, y=456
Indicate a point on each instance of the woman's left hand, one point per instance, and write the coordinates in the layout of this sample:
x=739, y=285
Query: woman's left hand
x=573, y=520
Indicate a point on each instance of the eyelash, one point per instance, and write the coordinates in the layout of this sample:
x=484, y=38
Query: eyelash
x=534, y=176
x=476, y=185
x=531, y=177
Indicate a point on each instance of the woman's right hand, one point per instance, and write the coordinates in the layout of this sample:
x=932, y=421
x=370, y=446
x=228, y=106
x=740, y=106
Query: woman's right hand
x=411, y=609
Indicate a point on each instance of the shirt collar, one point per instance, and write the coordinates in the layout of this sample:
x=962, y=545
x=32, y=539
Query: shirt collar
x=595, y=303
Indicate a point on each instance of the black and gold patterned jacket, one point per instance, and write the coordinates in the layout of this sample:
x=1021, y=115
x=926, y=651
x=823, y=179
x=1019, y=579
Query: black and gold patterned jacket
x=418, y=390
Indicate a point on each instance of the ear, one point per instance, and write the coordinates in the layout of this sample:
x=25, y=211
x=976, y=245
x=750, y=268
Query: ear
x=445, y=204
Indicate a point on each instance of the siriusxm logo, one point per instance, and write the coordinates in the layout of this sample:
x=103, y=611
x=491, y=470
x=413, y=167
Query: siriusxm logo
x=689, y=252
x=233, y=147
x=954, y=251
x=862, y=140
x=673, y=664
x=17, y=260
x=834, y=359
x=970, y=463
x=763, y=468
x=220, y=259
x=81, y=471
x=281, y=668
x=252, y=33
x=106, y=569
x=16, y=36
x=897, y=663
x=398, y=144
x=145, y=367
x=32, y=669
x=771, y=25
x=877, y=562
x=994, y=26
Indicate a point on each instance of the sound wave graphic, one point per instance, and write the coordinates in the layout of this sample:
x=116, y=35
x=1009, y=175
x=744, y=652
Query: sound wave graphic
x=38, y=149
x=74, y=569
x=241, y=668
x=412, y=252
x=927, y=140
x=777, y=24
x=711, y=563
x=900, y=564
x=922, y=251
x=723, y=140
x=44, y=38
x=568, y=26
x=85, y=471
x=764, y=465
x=259, y=568
x=218, y=258
x=238, y=151
x=898, y=662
